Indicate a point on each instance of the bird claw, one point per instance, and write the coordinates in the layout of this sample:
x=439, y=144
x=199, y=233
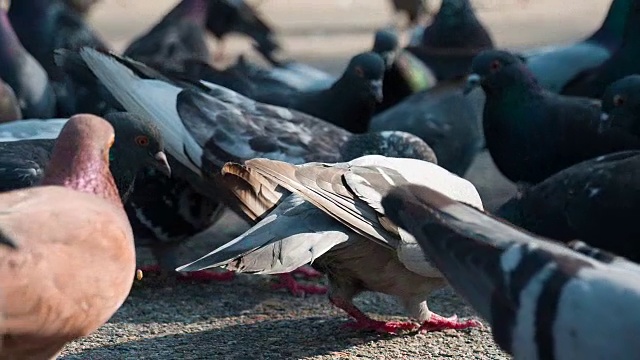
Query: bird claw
x=307, y=272
x=385, y=327
x=204, y=275
x=438, y=323
x=287, y=281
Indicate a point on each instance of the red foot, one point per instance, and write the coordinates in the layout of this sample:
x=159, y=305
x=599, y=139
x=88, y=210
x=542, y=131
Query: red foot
x=437, y=323
x=204, y=275
x=307, y=272
x=386, y=327
x=287, y=281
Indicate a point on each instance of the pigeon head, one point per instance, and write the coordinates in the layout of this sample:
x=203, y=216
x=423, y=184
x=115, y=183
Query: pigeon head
x=386, y=44
x=454, y=11
x=364, y=74
x=497, y=70
x=80, y=158
x=621, y=105
x=138, y=143
x=387, y=143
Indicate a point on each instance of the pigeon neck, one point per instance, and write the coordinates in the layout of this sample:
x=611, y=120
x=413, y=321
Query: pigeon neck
x=350, y=105
x=523, y=86
x=617, y=20
x=11, y=50
x=81, y=166
x=193, y=10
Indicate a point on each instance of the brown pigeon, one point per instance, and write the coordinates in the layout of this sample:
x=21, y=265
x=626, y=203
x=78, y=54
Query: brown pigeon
x=67, y=258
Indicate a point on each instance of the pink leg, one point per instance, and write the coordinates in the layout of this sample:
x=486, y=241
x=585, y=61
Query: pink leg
x=287, y=281
x=364, y=322
x=307, y=272
x=203, y=275
x=437, y=323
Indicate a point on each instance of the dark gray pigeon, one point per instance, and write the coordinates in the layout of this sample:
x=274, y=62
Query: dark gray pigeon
x=46, y=25
x=349, y=102
x=542, y=299
x=556, y=66
x=452, y=39
x=341, y=230
x=532, y=133
x=595, y=201
x=24, y=75
x=593, y=82
x=178, y=37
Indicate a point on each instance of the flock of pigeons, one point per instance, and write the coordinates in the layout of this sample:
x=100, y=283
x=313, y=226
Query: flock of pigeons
x=358, y=176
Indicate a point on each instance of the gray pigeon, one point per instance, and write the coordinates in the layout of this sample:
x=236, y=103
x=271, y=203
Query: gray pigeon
x=543, y=300
x=334, y=220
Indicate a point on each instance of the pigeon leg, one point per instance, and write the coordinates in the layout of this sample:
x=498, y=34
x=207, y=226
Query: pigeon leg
x=437, y=323
x=307, y=272
x=364, y=322
x=287, y=281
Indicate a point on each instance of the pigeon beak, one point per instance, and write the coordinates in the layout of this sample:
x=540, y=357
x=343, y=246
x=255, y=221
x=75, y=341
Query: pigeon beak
x=604, y=123
x=162, y=163
x=473, y=81
x=376, y=89
x=389, y=59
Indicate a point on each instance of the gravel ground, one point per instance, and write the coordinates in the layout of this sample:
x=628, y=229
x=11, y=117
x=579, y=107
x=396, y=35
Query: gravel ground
x=244, y=318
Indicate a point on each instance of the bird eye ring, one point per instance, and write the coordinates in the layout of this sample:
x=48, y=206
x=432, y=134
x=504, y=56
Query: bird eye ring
x=142, y=140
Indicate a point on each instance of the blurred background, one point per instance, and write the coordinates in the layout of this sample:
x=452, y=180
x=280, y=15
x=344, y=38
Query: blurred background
x=326, y=33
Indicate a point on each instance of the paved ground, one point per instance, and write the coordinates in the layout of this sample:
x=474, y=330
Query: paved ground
x=245, y=319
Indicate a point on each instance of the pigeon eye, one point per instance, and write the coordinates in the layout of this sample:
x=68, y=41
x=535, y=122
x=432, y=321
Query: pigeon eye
x=495, y=65
x=359, y=71
x=142, y=140
x=618, y=100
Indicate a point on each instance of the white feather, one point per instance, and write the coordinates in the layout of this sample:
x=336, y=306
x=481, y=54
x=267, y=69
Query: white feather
x=31, y=129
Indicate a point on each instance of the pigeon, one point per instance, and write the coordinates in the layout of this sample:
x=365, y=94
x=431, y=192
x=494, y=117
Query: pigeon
x=178, y=37
x=592, y=82
x=557, y=66
x=138, y=144
x=349, y=103
x=405, y=74
x=593, y=201
x=531, y=133
x=9, y=106
x=72, y=262
x=540, y=297
x=27, y=79
x=451, y=41
x=219, y=126
x=333, y=219
x=46, y=25
x=236, y=16
x=444, y=118
x=620, y=104
x=414, y=10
